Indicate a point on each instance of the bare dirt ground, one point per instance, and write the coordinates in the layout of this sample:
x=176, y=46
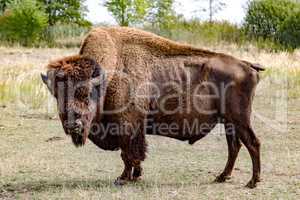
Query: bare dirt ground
x=37, y=160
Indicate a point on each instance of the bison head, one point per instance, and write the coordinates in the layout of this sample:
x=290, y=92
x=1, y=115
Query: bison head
x=78, y=84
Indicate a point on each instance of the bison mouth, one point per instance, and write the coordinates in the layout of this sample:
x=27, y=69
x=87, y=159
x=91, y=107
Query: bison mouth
x=76, y=131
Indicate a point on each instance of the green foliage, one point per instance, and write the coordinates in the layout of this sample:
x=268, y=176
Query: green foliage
x=264, y=17
x=289, y=31
x=128, y=12
x=43, y=22
x=217, y=32
x=158, y=13
x=24, y=22
x=64, y=35
x=274, y=22
x=65, y=11
x=3, y=5
x=162, y=15
x=209, y=32
x=203, y=33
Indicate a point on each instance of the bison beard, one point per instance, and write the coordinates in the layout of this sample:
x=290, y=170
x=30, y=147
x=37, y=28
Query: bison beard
x=77, y=139
x=143, y=57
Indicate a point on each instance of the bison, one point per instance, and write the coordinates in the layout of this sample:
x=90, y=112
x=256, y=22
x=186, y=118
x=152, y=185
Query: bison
x=126, y=83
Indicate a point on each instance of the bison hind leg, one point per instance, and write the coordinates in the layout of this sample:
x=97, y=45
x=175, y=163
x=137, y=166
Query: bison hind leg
x=252, y=143
x=234, y=146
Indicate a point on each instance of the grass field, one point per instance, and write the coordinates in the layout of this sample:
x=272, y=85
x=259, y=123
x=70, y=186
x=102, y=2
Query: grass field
x=37, y=160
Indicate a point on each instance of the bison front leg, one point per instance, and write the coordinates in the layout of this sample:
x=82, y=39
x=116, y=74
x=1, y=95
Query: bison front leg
x=127, y=172
x=132, y=170
x=133, y=153
x=137, y=170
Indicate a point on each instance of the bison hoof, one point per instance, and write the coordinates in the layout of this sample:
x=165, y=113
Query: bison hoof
x=136, y=179
x=119, y=182
x=252, y=184
x=222, y=178
x=137, y=173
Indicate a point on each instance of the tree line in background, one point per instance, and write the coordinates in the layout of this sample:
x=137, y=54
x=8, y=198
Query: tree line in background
x=157, y=13
x=268, y=23
x=30, y=22
x=277, y=21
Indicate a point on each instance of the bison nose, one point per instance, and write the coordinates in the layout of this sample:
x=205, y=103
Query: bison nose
x=77, y=124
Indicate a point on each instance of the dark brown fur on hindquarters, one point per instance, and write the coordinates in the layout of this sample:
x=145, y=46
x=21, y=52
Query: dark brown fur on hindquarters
x=120, y=60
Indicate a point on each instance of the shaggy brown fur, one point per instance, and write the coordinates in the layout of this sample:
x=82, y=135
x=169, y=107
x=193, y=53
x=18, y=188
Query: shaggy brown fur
x=76, y=66
x=131, y=58
x=110, y=47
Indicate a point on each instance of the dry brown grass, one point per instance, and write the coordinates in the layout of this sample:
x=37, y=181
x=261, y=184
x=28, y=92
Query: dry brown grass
x=34, y=167
x=20, y=74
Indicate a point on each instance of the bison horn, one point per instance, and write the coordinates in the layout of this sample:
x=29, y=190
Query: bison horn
x=44, y=78
x=47, y=82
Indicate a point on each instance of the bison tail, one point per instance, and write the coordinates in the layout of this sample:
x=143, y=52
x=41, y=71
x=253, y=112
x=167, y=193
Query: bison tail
x=258, y=67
